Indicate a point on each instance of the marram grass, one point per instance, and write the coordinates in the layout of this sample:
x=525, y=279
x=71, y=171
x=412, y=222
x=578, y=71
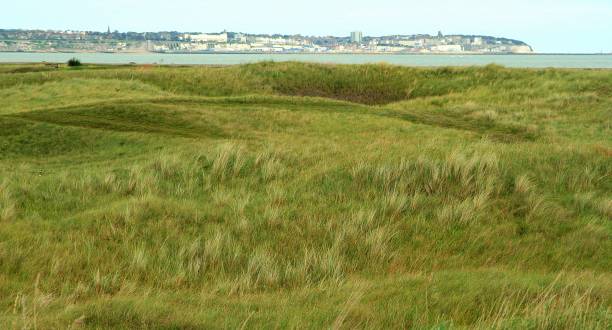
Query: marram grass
x=291, y=195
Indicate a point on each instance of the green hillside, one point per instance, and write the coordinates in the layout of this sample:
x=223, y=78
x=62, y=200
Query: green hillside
x=291, y=195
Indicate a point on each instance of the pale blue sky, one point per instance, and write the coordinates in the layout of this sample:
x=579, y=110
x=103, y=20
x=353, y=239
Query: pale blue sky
x=547, y=25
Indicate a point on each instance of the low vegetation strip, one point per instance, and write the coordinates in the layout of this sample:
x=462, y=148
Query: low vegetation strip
x=138, y=117
x=483, y=126
x=296, y=195
x=173, y=108
x=367, y=84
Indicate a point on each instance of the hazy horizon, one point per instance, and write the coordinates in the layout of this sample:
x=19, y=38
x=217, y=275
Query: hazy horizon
x=564, y=26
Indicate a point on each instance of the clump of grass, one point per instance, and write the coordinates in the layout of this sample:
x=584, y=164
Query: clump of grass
x=261, y=272
x=458, y=213
x=490, y=115
x=457, y=174
x=523, y=184
x=379, y=243
x=605, y=207
x=8, y=208
x=589, y=201
x=229, y=162
x=270, y=165
x=396, y=204
x=28, y=307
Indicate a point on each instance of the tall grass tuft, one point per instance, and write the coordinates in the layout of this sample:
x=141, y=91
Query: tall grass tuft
x=8, y=208
x=523, y=184
x=605, y=207
x=456, y=175
x=229, y=162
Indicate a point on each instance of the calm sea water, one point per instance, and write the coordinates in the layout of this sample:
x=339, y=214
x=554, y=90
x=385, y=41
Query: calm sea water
x=523, y=61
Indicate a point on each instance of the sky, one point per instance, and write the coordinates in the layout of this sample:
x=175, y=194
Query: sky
x=563, y=26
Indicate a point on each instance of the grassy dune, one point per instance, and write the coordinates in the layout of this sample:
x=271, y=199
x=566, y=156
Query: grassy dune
x=290, y=195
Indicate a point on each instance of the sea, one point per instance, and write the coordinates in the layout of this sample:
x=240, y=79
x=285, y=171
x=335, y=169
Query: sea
x=517, y=61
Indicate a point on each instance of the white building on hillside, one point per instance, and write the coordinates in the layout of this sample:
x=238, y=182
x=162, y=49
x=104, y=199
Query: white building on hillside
x=220, y=38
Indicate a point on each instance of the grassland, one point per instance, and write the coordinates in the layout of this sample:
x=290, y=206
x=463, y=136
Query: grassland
x=289, y=195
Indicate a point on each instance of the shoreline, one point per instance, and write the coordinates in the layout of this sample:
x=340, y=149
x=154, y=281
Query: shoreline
x=568, y=61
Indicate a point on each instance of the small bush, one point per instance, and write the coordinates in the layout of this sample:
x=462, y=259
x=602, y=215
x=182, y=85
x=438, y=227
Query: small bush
x=74, y=62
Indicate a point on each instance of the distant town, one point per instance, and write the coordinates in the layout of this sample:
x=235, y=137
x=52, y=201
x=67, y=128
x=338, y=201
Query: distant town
x=234, y=42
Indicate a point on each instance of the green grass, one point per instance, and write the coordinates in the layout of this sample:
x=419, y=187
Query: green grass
x=291, y=195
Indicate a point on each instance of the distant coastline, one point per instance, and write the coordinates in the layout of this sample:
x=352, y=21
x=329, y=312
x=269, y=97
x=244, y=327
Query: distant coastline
x=244, y=43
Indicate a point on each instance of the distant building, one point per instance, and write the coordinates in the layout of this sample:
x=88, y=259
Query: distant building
x=241, y=38
x=408, y=43
x=356, y=37
x=220, y=38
